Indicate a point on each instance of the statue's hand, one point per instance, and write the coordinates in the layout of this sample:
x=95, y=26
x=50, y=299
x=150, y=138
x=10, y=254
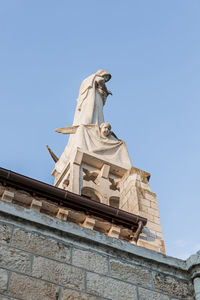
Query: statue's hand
x=109, y=92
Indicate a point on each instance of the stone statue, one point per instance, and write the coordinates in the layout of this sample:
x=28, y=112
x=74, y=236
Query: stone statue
x=89, y=132
x=92, y=97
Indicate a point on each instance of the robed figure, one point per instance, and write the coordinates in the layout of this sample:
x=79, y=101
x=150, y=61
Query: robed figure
x=86, y=133
x=92, y=97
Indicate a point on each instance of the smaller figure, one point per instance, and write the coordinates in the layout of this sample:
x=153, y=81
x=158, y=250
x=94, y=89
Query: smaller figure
x=105, y=130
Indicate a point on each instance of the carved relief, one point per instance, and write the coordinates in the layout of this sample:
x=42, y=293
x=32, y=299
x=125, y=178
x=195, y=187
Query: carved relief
x=114, y=184
x=66, y=182
x=90, y=176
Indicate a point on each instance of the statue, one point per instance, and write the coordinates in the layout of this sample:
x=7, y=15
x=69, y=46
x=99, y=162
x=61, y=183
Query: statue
x=92, y=97
x=89, y=132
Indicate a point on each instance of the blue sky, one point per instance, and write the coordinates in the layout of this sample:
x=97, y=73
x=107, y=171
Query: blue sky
x=151, y=49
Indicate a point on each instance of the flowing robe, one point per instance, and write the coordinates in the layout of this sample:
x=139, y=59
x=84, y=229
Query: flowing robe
x=90, y=102
x=88, y=139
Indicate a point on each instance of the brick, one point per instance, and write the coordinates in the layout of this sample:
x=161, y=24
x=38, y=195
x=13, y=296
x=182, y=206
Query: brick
x=38, y=244
x=144, y=208
x=151, y=196
x=130, y=273
x=59, y=273
x=90, y=261
x=153, y=226
x=26, y=288
x=146, y=215
x=111, y=288
x=3, y=280
x=74, y=295
x=153, y=212
x=154, y=205
x=5, y=232
x=156, y=220
x=7, y=196
x=149, y=295
x=173, y=286
x=145, y=202
x=14, y=259
x=148, y=245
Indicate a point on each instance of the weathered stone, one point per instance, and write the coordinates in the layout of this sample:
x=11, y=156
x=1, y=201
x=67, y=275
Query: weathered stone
x=2, y=189
x=7, y=196
x=130, y=273
x=110, y=288
x=38, y=244
x=14, y=259
x=59, y=273
x=150, y=295
x=27, y=288
x=5, y=232
x=74, y=295
x=173, y=286
x=3, y=280
x=5, y=298
x=90, y=260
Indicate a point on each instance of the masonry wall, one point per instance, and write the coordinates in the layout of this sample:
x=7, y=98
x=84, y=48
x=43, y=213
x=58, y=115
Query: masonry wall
x=136, y=197
x=43, y=258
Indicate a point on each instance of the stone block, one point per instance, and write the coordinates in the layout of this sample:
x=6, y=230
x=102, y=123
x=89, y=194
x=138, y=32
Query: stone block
x=145, y=186
x=37, y=244
x=149, y=295
x=74, y=295
x=89, y=223
x=114, y=231
x=8, y=196
x=3, y=280
x=2, y=189
x=144, y=209
x=55, y=272
x=153, y=226
x=91, y=261
x=148, y=245
x=110, y=288
x=23, y=197
x=62, y=214
x=150, y=196
x=145, y=202
x=156, y=220
x=153, y=212
x=173, y=286
x=5, y=232
x=154, y=205
x=130, y=273
x=146, y=215
x=26, y=288
x=105, y=171
x=36, y=205
x=14, y=259
x=6, y=298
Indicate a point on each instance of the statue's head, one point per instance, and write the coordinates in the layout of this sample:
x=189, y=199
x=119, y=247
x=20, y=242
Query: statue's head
x=107, y=76
x=105, y=129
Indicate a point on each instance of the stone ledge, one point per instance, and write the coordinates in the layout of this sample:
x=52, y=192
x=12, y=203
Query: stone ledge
x=89, y=235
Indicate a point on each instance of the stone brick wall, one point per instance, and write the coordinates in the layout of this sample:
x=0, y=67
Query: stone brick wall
x=44, y=258
x=136, y=197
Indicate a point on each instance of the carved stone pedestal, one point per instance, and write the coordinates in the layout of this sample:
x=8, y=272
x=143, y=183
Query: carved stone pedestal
x=127, y=189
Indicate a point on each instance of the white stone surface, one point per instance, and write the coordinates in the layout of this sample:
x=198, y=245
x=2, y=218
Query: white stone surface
x=91, y=99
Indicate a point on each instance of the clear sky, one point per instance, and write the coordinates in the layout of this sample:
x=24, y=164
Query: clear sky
x=152, y=49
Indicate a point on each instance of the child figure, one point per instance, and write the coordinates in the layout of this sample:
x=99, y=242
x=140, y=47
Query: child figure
x=105, y=130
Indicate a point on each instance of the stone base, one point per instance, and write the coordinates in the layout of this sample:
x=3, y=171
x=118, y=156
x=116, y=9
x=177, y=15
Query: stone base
x=105, y=182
